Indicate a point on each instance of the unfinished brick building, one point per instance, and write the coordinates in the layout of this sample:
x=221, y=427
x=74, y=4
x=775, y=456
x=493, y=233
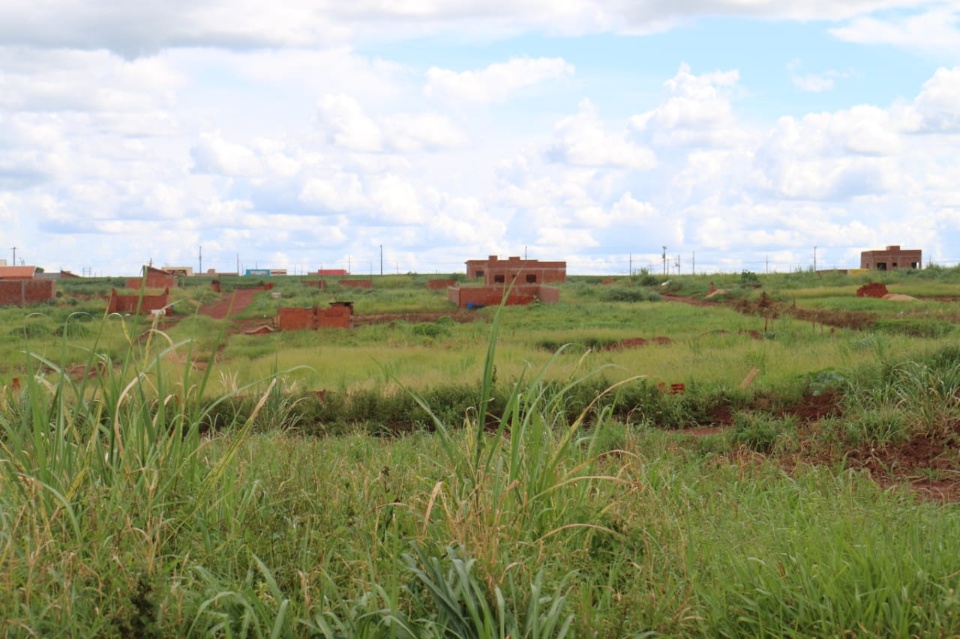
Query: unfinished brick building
x=496, y=271
x=891, y=258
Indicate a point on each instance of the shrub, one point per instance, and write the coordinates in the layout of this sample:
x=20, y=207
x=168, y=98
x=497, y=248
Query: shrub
x=761, y=432
x=914, y=327
x=431, y=330
x=875, y=426
x=623, y=294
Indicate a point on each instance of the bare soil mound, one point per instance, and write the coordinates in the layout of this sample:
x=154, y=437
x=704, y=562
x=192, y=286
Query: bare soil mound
x=897, y=297
x=875, y=289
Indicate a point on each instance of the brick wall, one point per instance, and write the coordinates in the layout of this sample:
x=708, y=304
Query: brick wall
x=129, y=303
x=466, y=296
x=25, y=292
x=154, y=280
x=439, y=285
x=549, y=294
x=334, y=317
x=356, y=283
x=309, y=319
x=296, y=319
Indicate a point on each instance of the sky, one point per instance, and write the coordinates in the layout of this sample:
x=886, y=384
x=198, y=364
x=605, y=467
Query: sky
x=401, y=136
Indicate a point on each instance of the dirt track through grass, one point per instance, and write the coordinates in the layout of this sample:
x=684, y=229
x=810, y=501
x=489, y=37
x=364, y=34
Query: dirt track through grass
x=230, y=305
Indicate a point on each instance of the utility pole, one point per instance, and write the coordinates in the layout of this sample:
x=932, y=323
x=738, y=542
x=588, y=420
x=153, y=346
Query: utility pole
x=238, y=264
x=200, y=263
x=766, y=269
x=349, y=268
x=631, y=265
x=814, y=259
x=664, y=258
x=14, y=255
x=678, y=265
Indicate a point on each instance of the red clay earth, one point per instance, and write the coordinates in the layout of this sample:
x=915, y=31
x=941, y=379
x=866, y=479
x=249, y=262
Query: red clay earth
x=637, y=342
x=876, y=289
x=230, y=305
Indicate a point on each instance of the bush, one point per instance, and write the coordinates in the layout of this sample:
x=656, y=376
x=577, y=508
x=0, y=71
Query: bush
x=877, y=426
x=431, y=330
x=914, y=327
x=760, y=432
x=623, y=294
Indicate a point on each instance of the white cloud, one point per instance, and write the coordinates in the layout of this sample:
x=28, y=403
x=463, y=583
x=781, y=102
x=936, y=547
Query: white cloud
x=697, y=112
x=933, y=29
x=250, y=139
x=938, y=103
x=147, y=26
x=813, y=82
x=346, y=124
x=495, y=83
x=213, y=154
x=581, y=140
x=423, y=131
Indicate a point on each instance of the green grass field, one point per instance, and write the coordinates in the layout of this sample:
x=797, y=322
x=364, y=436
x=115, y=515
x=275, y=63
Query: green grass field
x=519, y=475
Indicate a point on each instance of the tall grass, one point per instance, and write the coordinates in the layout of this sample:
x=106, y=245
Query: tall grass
x=531, y=512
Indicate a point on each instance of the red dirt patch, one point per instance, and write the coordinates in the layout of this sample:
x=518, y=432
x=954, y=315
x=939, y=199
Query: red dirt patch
x=230, y=305
x=815, y=407
x=638, y=342
x=929, y=463
x=876, y=289
x=631, y=342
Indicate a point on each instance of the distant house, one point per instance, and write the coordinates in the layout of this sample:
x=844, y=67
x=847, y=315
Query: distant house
x=332, y=272
x=20, y=286
x=179, y=271
x=58, y=275
x=891, y=258
x=18, y=272
x=516, y=270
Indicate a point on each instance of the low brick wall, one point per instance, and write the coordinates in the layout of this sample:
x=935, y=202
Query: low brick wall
x=26, y=292
x=154, y=280
x=356, y=283
x=296, y=319
x=479, y=296
x=439, y=285
x=334, y=317
x=130, y=303
x=311, y=319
